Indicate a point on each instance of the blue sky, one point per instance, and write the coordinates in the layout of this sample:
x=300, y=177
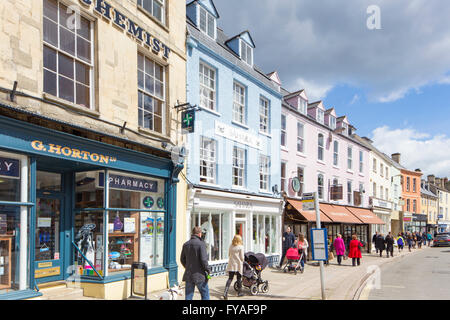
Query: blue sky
x=393, y=82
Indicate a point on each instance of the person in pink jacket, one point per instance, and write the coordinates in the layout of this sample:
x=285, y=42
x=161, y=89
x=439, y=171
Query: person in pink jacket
x=339, y=246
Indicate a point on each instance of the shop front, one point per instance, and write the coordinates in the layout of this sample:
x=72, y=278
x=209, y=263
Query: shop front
x=419, y=223
x=344, y=220
x=383, y=210
x=221, y=215
x=78, y=210
x=407, y=219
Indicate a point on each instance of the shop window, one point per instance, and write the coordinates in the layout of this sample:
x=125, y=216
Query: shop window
x=47, y=181
x=10, y=249
x=48, y=228
x=151, y=94
x=134, y=235
x=68, y=47
x=88, y=193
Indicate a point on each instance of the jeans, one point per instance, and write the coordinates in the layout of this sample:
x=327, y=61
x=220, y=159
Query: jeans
x=202, y=288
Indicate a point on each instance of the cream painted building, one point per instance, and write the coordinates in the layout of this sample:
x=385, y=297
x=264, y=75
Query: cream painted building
x=88, y=130
x=430, y=207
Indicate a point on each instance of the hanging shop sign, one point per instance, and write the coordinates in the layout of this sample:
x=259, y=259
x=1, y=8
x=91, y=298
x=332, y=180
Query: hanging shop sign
x=188, y=120
x=9, y=168
x=296, y=184
x=128, y=183
x=71, y=153
x=106, y=10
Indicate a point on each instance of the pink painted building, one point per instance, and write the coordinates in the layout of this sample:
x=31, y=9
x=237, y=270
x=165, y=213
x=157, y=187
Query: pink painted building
x=317, y=147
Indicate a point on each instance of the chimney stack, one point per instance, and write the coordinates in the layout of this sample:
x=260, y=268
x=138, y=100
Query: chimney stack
x=396, y=157
x=431, y=179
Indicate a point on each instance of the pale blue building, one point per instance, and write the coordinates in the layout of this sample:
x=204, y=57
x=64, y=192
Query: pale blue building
x=234, y=152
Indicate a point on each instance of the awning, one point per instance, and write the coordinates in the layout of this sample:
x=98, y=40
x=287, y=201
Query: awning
x=365, y=215
x=308, y=215
x=339, y=214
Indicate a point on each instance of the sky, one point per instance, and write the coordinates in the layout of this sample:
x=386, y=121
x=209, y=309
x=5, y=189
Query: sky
x=385, y=64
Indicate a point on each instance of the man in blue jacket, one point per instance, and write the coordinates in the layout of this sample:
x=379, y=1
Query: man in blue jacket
x=195, y=262
x=288, y=242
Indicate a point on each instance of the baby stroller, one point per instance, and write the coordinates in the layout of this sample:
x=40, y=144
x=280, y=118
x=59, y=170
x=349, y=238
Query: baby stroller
x=293, y=261
x=254, y=264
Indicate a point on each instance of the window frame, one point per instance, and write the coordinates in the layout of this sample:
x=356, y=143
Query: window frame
x=143, y=91
x=300, y=137
x=208, y=16
x=264, y=172
x=202, y=67
x=239, y=109
x=240, y=167
x=321, y=147
x=350, y=158
x=264, y=115
x=211, y=162
x=248, y=49
x=283, y=135
x=321, y=187
x=336, y=153
x=60, y=51
x=162, y=3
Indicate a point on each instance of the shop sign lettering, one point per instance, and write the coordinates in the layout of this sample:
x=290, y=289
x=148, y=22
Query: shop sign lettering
x=120, y=20
x=129, y=183
x=71, y=152
x=243, y=205
x=9, y=168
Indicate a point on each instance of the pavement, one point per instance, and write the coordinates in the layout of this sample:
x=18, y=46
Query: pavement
x=342, y=282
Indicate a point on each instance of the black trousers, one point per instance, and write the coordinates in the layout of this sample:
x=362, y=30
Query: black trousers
x=282, y=257
x=354, y=260
x=339, y=259
x=381, y=252
x=231, y=277
x=390, y=250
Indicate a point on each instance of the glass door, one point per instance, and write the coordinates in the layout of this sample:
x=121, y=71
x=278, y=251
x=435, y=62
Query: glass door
x=240, y=228
x=48, y=240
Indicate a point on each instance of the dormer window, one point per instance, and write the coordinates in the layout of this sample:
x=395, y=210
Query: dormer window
x=246, y=53
x=207, y=23
x=344, y=125
x=332, y=122
x=320, y=116
x=302, y=105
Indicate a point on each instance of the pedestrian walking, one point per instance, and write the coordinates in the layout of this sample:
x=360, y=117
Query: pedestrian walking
x=374, y=238
x=430, y=238
x=389, y=245
x=380, y=244
x=339, y=247
x=410, y=241
x=424, y=238
x=419, y=240
x=235, y=265
x=302, y=247
x=195, y=262
x=355, y=250
x=400, y=242
x=414, y=240
x=288, y=242
x=330, y=251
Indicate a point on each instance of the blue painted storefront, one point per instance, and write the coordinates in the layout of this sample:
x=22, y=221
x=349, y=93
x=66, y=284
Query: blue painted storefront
x=58, y=152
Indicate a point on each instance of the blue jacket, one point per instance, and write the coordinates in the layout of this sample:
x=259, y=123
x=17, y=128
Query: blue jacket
x=288, y=240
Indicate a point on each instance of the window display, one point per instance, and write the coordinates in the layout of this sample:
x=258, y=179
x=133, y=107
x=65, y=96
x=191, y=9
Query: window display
x=48, y=215
x=9, y=248
x=9, y=179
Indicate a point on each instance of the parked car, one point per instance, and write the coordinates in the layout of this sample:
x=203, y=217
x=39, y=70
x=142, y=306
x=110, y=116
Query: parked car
x=442, y=240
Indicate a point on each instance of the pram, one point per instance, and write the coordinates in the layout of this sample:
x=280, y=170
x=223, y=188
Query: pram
x=293, y=261
x=254, y=264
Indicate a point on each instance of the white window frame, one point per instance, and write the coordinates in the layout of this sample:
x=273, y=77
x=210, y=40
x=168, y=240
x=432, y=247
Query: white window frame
x=300, y=137
x=302, y=105
x=336, y=153
x=283, y=177
x=162, y=3
x=332, y=122
x=59, y=51
x=206, y=29
x=264, y=173
x=283, y=134
x=208, y=159
x=205, y=88
x=161, y=99
x=321, y=147
x=245, y=51
x=349, y=158
x=238, y=167
x=264, y=108
x=321, y=188
x=374, y=165
x=361, y=161
x=239, y=103
x=320, y=116
x=350, y=192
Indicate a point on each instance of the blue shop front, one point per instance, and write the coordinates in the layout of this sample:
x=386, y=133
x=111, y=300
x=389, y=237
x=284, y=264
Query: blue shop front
x=76, y=209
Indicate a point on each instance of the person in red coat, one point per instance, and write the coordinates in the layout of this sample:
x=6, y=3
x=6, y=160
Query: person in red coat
x=355, y=250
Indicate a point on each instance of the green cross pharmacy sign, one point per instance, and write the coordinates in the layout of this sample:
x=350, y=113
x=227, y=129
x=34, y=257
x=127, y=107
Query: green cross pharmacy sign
x=188, y=120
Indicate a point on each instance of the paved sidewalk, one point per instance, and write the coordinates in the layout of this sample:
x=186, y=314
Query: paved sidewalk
x=341, y=282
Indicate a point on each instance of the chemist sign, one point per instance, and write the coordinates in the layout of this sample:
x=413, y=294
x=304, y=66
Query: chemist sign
x=319, y=244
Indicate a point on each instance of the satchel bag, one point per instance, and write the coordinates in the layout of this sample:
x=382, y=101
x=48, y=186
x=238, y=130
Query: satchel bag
x=331, y=256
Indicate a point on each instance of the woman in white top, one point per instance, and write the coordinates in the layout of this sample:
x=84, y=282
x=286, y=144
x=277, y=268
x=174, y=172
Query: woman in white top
x=302, y=246
x=235, y=265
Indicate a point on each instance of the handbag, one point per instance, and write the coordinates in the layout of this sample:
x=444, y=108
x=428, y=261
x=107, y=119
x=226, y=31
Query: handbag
x=331, y=256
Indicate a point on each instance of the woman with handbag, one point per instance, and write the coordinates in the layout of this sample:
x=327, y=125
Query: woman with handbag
x=339, y=246
x=302, y=246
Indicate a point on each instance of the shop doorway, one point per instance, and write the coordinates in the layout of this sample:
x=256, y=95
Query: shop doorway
x=49, y=232
x=240, y=228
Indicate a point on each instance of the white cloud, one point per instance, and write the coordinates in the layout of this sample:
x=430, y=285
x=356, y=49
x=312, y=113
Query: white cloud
x=354, y=99
x=420, y=150
x=315, y=91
